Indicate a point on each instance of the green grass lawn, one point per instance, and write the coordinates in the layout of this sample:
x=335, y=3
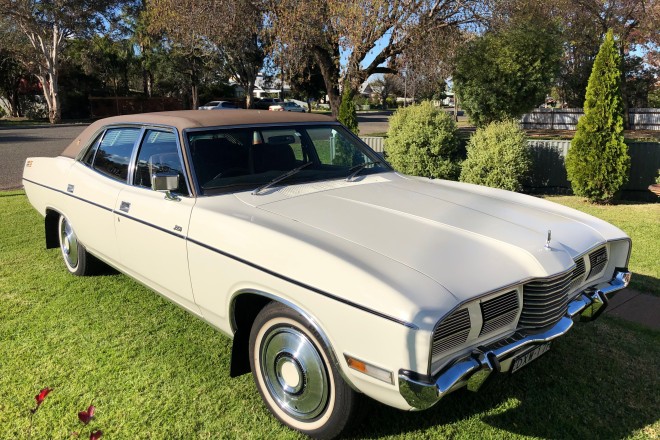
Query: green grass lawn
x=155, y=372
x=641, y=221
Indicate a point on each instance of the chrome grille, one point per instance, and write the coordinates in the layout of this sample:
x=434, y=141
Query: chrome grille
x=452, y=332
x=578, y=273
x=545, y=301
x=598, y=261
x=499, y=312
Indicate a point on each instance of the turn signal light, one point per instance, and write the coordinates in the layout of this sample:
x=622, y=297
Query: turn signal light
x=369, y=370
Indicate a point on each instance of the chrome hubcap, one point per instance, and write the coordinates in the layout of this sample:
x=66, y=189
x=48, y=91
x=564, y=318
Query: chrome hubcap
x=294, y=373
x=68, y=243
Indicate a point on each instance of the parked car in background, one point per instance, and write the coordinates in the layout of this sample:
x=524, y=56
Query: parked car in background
x=219, y=105
x=286, y=106
x=333, y=274
x=264, y=103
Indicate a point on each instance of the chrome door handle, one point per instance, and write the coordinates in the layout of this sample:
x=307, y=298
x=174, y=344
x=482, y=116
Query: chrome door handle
x=125, y=206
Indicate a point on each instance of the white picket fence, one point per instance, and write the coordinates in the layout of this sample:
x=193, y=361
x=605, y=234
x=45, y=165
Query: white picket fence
x=566, y=118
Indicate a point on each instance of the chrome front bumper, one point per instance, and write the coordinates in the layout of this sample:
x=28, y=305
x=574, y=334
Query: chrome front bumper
x=421, y=391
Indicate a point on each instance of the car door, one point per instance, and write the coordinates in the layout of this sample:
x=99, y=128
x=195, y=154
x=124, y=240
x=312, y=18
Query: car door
x=94, y=182
x=151, y=225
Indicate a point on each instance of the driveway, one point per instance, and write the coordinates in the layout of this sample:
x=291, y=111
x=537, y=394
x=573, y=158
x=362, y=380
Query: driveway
x=373, y=122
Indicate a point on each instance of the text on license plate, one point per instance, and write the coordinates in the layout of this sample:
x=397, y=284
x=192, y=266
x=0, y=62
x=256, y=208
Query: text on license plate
x=528, y=356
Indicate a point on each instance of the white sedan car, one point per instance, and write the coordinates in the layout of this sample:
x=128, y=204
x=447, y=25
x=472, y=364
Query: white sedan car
x=333, y=274
x=219, y=105
x=286, y=106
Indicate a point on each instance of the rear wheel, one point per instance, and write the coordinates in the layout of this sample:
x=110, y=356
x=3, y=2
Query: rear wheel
x=294, y=374
x=76, y=258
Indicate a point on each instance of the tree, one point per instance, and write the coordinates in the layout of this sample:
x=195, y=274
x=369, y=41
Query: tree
x=507, y=72
x=635, y=22
x=13, y=74
x=362, y=30
x=385, y=86
x=639, y=80
x=421, y=141
x=597, y=163
x=231, y=29
x=307, y=82
x=47, y=26
x=347, y=112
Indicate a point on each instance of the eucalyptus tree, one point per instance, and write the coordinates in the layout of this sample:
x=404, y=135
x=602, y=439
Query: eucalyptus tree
x=227, y=29
x=368, y=33
x=48, y=25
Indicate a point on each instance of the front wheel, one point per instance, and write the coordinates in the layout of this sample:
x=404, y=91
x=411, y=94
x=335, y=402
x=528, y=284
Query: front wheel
x=295, y=377
x=75, y=256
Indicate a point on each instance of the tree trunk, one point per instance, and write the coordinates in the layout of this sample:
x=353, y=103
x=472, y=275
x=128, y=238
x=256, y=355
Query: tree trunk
x=14, y=101
x=194, y=92
x=329, y=65
x=55, y=111
x=624, y=91
x=145, y=82
x=194, y=96
x=249, y=100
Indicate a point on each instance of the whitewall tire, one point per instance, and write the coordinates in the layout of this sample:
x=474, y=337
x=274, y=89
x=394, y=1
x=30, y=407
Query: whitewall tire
x=295, y=375
x=76, y=258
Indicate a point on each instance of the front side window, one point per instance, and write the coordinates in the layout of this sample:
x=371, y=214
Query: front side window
x=158, y=153
x=113, y=154
x=242, y=159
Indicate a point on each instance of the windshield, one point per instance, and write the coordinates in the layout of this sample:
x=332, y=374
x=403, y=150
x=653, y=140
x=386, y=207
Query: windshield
x=243, y=159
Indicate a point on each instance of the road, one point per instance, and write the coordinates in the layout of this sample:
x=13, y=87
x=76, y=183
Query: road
x=17, y=144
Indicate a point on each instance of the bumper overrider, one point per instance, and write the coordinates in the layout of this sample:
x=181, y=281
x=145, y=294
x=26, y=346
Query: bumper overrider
x=422, y=391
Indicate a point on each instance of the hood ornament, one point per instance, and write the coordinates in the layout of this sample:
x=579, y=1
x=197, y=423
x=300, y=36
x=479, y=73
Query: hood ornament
x=547, y=243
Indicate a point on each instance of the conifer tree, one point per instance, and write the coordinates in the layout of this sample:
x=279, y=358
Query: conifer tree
x=597, y=163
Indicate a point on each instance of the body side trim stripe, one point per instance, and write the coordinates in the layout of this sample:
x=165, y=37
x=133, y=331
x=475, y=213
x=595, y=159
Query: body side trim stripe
x=241, y=260
x=123, y=214
x=306, y=286
x=69, y=195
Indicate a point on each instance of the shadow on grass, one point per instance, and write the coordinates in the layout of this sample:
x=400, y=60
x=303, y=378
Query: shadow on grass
x=593, y=384
x=11, y=193
x=645, y=284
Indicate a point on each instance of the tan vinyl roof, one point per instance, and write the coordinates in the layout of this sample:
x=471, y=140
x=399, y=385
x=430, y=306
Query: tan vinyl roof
x=193, y=119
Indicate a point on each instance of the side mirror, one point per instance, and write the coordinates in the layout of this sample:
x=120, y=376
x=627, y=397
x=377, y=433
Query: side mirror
x=165, y=181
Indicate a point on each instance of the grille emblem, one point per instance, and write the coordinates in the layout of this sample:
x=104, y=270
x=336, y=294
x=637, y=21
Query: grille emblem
x=547, y=243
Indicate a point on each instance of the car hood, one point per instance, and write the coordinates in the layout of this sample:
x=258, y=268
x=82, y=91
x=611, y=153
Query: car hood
x=469, y=239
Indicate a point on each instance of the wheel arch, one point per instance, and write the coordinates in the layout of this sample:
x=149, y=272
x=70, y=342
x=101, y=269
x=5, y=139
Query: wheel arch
x=50, y=227
x=245, y=305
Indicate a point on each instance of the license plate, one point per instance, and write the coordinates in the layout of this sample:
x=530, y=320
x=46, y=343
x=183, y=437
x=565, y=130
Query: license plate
x=530, y=355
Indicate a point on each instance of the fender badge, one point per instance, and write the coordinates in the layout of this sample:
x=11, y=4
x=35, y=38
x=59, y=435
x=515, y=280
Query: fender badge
x=547, y=243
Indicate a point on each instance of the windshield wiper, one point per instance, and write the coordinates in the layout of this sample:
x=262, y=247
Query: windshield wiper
x=359, y=167
x=280, y=178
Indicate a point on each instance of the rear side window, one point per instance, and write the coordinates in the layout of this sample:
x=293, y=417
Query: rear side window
x=114, y=152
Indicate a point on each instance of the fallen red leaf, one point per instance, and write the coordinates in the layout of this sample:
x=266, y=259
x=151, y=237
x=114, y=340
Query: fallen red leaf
x=86, y=416
x=40, y=398
x=42, y=395
x=96, y=435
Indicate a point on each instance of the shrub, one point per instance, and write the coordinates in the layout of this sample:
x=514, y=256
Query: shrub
x=347, y=113
x=421, y=140
x=597, y=163
x=497, y=156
